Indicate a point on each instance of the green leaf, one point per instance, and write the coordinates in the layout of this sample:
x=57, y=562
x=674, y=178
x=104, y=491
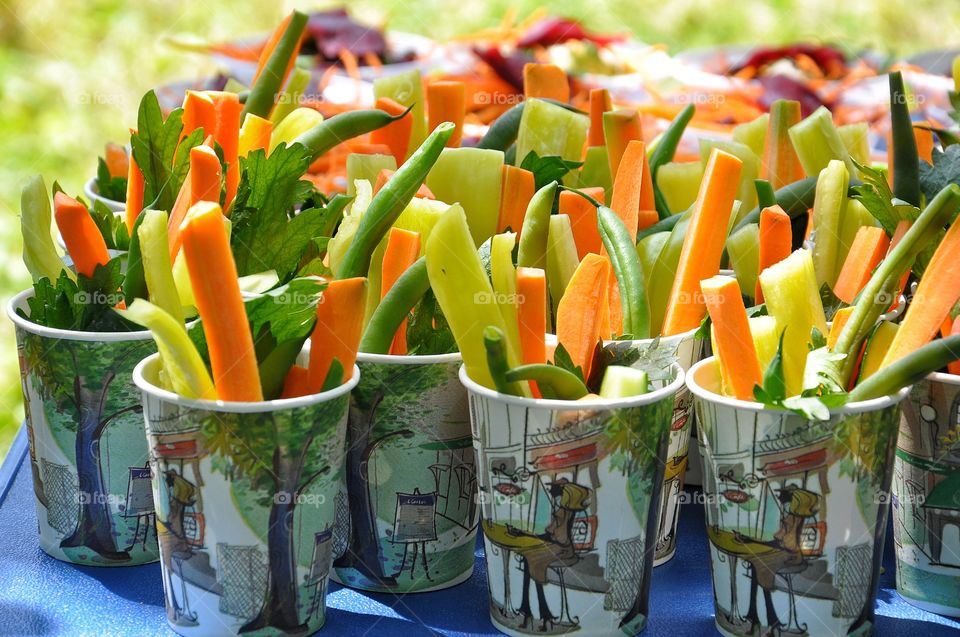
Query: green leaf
x=427, y=329
x=817, y=339
x=774, y=382
x=561, y=358
x=155, y=146
x=547, y=169
x=830, y=301
x=113, y=227
x=114, y=188
x=84, y=305
x=944, y=170
x=288, y=312
x=875, y=195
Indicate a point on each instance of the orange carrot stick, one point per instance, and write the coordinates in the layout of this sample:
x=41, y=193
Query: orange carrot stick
x=545, y=80
x=201, y=184
x=254, y=134
x=338, y=329
x=228, y=108
x=703, y=244
x=936, y=295
x=396, y=134
x=532, y=317
x=583, y=219
x=115, y=157
x=734, y=343
x=80, y=233
x=297, y=382
x=868, y=248
x=213, y=276
x=403, y=248
x=369, y=149
x=198, y=112
x=898, y=233
x=840, y=318
x=516, y=191
x=599, y=104
x=776, y=239
x=780, y=165
x=579, y=312
x=446, y=102
x=134, y=193
x=633, y=189
x=270, y=45
x=615, y=310
x=620, y=127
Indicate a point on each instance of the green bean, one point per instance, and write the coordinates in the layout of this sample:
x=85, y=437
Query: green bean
x=553, y=382
x=395, y=306
x=390, y=201
x=494, y=341
x=275, y=365
x=665, y=150
x=339, y=128
x=908, y=370
x=503, y=131
x=766, y=197
x=536, y=227
x=626, y=266
x=906, y=159
x=263, y=94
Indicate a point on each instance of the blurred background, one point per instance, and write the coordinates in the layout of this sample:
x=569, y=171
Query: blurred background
x=72, y=71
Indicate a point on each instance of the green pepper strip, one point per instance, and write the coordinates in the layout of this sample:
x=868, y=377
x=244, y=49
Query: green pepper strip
x=906, y=159
x=263, y=94
x=494, y=341
x=664, y=152
x=626, y=266
x=532, y=252
x=339, y=128
x=504, y=130
x=395, y=306
x=909, y=369
x=553, y=382
x=766, y=197
x=390, y=201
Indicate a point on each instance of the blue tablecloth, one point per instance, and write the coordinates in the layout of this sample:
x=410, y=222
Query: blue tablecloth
x=42, y=596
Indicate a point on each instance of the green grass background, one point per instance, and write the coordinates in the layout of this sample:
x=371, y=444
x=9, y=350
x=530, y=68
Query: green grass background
x=72, y=71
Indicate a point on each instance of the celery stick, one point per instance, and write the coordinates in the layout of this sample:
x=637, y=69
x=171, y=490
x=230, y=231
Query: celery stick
x=338, y=245
x=854, y=217
x=406, y=89
x=856, y=140
x=664, y=272
x=562, y=258
x=40, y=255
x=877, y=345
x=298, y=121
x=549, y=130
x=183, y=369
x=291, y=96
x=792, y=296
x=743, y=247
x=622, y=382
x=766, y=338
x=828, y=210
x=482, y=170
x=649, y=250
x=368, y=167
x=746, y=191
x=817, y=142
x=503, y=276
x=753, y=133
x=725, y=388
x=596, y=170
x=157, y=270
x=679, y=183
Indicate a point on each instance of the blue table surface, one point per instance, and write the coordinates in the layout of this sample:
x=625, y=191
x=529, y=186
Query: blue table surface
x=42, y=596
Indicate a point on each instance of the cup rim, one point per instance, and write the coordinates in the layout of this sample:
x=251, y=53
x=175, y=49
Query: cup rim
x=596, y=403
x=20, y=302
x=90, y=189
x=240, y=407
x=406, y=359
x=673, y=338
x=860, y=406
x=944, y=377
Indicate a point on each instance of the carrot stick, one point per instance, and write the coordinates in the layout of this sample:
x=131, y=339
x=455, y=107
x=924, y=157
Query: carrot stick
x=840, y=318
x=270, y=45
x=532, y=317
x=368, y=149
x=446, y=102
x=633, y=189
x=868, y=248
x=547, y=81
x=255, y=133
x=80, y=234
x=297, y=382
x=403, y=248
x=954, y=367
x=201, y=184
x=579, y=312
x=395, y=135
x=583, y=219
x=516, y=191
x=898, y=233
x=732, y=335
x=780, y=165
x=620, y=127
x=198, y=112
x=116, y=159
x=703, y=243
x=936, y=295
x=924, y=139
x=227, y=107
x=134, y=193
x=385, y=175
x=600, y=103
x=213, y=277
x=338, y=329
x=615, y=310
x=776, y=237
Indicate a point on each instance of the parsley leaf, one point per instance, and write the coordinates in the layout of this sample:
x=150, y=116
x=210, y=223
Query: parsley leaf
x=561, y=358
x=108, y=186
x=427, y=329
x=83, y=305
x=547, y=169
x=113, y=227
x=944, y=170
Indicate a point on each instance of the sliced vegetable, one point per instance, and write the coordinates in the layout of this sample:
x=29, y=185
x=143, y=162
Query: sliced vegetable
x=536, y=227
x=292, y=95
x=877, y=347
x=227, y=134
x=774, y=241
x=367, y=167
x=867, y=250
x=516, y=191
x=275, y=68
x=80, y=234
x=403, y=248
x=780, y=165
x=446, y=102
x=817, y=143
x=828, y=210
x=749, y=169
x=40, y=255
x=633, y=198
x=255, y=133
x=336, y=335
x=600, y=103
x=396, y=134
x=620, y=127
x=157, y=269
x=483, y=170
x=545, y=81
x=856, y=140
x=743, y=249
x=753, y=134
x=583, y=219
x=406, y=88
x=199, y=112
x=566, y=137
x=562, y=258
x=734, y=341
x=134, y=199
x=300, y=122
x=503, y=276
x=579, y=312
x=679, y=184
x=531, y=288
x=623, y=382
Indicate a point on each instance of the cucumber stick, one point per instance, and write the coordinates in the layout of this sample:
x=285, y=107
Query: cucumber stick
x=407, y=90
x=548, y=130
x=753, y=133
x=743, y=248
x=829, y=206
x=649, y=250
x=817, y=142
x=622, y=382
x=792, y=295
x=679, y=183
x=503, y=276
x=562, y=258
x=596, y=170
x=482, y=170
x=856, y=141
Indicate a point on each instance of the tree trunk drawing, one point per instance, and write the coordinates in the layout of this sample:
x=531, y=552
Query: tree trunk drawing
x=94, y=528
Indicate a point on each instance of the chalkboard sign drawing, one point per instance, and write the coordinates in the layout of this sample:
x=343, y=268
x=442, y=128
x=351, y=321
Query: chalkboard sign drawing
x=139, y=504
x=319, y=569
x=415, y=524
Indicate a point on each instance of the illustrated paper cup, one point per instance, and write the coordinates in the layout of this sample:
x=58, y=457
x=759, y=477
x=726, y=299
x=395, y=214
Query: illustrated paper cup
x=88, y=454
x=796, y=510
x=410, y=496
x=244, y=496
x=926, y=489
x=688, y=351
x=570, y=494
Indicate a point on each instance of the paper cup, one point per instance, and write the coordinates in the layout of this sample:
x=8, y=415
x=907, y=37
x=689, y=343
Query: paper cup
x=244, y=496
x=926, y=503
x=570, y=494
x=409, y=501
x=796, y=510
x=88, y=455
x=688, y=351
x=92, y=194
